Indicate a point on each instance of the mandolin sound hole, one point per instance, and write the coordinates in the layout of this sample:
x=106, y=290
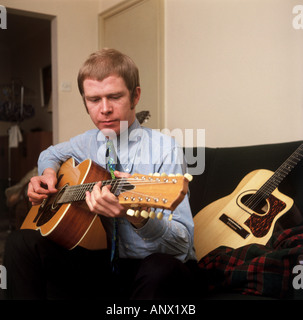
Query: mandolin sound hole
x=258, y=205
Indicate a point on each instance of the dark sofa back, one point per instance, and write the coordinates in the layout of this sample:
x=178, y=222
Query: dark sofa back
x=226, y=167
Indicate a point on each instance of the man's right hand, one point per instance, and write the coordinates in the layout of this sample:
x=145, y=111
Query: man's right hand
x=40, y=187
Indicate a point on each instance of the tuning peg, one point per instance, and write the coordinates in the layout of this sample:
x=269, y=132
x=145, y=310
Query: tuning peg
x=160, y=215
x=170, y=217
x=171, y=175
x=152, y=214
x=188, y=176
x=163, y=174
x=130, y=212
x=144, y=214
x=156, y=174
x=178, y=175
x=137, y=214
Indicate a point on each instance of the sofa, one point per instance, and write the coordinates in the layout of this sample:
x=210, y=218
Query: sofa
x=221, y=171
x=224, y=168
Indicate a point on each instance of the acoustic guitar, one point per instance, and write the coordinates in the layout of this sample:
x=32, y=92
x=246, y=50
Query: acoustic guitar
x=248, y=214
x=65, y=218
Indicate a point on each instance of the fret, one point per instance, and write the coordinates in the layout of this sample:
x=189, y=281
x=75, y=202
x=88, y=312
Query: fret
x=272, y=183
x=77, y=192
x=284, y=169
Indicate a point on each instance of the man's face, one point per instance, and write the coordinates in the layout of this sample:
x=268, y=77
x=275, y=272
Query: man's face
x=108, y=103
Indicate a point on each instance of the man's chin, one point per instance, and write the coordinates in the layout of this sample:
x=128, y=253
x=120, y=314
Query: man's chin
x=110, y=133
x=114, y=131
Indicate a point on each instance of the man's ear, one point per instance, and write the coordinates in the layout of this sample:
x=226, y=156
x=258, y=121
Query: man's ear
x=83, y=98
x=136, y=97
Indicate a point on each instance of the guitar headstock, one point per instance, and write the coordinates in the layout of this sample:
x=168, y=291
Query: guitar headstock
x=154, y=191
x=143, y=116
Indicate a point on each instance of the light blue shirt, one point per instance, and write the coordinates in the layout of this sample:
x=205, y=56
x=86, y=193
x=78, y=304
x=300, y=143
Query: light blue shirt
x=140, y=150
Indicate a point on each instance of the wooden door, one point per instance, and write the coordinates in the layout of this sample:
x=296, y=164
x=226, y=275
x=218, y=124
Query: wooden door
x=136, y=29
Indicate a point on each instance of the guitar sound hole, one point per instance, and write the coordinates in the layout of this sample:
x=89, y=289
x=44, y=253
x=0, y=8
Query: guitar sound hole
x=46, y=212
x=49, y=209
x=259, y=206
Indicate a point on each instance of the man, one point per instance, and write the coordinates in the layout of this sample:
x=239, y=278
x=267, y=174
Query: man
x=154, y=255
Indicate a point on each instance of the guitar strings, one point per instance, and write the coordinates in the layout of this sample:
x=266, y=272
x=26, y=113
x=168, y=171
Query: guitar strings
x=77, y=192
x=110, y=182
x=267, y=188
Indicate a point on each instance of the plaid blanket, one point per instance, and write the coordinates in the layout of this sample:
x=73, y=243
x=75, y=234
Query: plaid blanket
x=257, y=269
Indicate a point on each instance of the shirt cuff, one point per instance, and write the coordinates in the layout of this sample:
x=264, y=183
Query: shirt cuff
x=153, y=229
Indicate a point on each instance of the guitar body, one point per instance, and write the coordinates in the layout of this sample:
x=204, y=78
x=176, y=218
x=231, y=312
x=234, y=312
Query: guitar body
x=70, y=224
x=65, y=218
x=231, y=222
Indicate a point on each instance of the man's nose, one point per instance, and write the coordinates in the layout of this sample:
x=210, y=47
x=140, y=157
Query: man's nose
x=105, y=106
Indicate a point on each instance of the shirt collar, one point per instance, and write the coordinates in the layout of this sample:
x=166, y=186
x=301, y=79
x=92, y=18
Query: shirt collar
x=126, y=145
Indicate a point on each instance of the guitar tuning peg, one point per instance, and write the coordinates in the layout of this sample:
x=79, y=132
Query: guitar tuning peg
x=170, y=218
x=188, y=176
x=152, y=214
x=163, y=174
x=130, y=212
x=160, y=215
x=156, y=174
x=144, y=214
x=137, y=214
x=178, y=175
x=171, y=175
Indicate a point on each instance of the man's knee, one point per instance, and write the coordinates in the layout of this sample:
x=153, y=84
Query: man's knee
x=161, y=276
x=27, y=244
x=21, y=240
x=163, y=266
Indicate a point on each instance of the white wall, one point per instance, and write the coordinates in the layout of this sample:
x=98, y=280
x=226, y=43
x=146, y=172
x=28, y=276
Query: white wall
x=234, y=68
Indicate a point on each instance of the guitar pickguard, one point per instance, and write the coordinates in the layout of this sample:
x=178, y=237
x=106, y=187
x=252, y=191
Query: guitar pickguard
x=50, y=206
x=45, y=213
x=260, y=225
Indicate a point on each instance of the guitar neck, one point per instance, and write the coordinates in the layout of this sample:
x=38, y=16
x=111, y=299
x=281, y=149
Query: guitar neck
x=77, y=192
x=273, y=182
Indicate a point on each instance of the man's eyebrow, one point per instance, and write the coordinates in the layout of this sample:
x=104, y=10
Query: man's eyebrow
x=106, y=95
x=91, y=97
x=115, y=93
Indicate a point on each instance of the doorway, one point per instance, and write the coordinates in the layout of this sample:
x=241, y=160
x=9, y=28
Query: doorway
x=136, y=28
x=25, y=95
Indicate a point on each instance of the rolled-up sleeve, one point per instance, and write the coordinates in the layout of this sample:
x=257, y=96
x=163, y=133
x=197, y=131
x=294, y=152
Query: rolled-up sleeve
x=79, y=147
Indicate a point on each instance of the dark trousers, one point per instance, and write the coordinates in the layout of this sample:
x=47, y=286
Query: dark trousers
x=37, y=268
